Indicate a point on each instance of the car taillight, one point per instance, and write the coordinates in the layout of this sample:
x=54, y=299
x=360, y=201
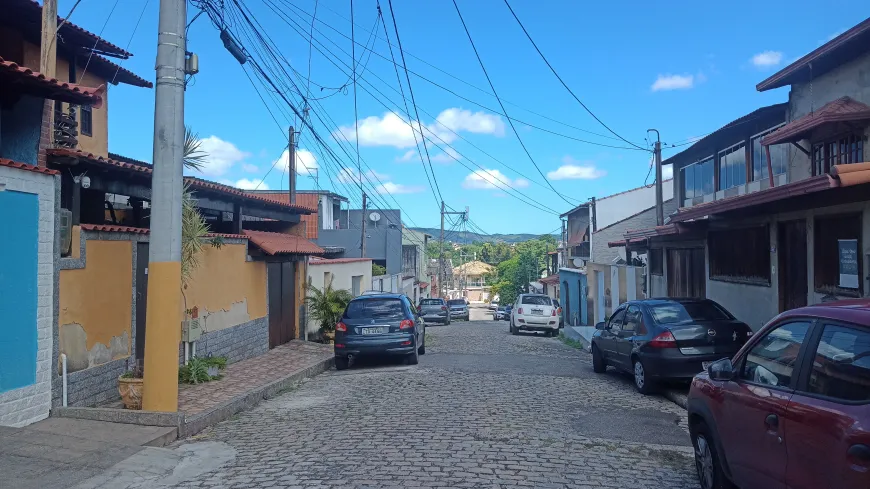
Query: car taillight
x=520, y=310
x=406, y=323
x=554, y=312
x=419, y=308
x=664, y=340
x=443, y=308
x=341, y=327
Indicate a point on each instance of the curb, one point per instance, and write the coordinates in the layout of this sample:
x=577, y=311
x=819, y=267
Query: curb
x=677, y=397
x=568, y=332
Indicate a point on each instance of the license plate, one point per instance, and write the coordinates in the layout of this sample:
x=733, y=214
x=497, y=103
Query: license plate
x=380, y=330
x=704, y=366
x=538, y=312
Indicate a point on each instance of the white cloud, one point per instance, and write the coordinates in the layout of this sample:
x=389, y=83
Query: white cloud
x=246, y=184
x=408, y=156
x=572, y=169
x=250, y=168
x=350, y=175
x=667, y=172
x=489, y=179
x=393, y=130
x=306, y=162
x=221, y=155
x=673, y=82
x=398, y=188
x=767, y=59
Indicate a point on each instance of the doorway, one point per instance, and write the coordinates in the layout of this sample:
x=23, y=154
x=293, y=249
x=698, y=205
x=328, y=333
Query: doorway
x=141, y=298
x=282, y=302
x=792, y=262
x=687, y=273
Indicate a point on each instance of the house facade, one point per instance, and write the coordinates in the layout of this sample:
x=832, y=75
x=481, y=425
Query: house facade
x=784, y=185
x=351, y=274
x=472, y=280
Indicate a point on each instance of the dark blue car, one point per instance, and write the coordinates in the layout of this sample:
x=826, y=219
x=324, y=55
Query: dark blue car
x=666, y=339
x=379, y=324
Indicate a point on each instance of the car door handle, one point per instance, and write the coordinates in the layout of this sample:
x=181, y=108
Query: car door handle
x=860, y=452
x=772, y=421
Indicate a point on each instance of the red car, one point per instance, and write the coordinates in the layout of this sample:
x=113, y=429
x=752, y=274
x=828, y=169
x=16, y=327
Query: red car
x=792, y=408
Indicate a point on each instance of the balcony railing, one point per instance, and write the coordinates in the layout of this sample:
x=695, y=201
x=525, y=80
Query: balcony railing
x=66, y=129
x=580, y=250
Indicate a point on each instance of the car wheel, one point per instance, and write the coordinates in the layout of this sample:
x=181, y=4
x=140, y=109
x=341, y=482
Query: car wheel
x=422, y=349
x=641, y=379
x=513, y=329
x=412, y=358
x=341, y=363
x=599, y=366
x=707, y=462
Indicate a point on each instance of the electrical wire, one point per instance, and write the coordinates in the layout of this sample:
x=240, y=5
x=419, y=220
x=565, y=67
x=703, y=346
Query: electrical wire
x=88, y=62
x=555, y=73
x=129, y=41
x=514, y=129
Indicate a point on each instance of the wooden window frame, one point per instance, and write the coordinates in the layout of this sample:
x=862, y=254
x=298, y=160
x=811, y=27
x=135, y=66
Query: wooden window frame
x=86, y=109
x=714, y=255
x=818, y=254
x=823, y=145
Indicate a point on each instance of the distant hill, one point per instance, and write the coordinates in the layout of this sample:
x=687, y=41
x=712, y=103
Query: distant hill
x=472, y=237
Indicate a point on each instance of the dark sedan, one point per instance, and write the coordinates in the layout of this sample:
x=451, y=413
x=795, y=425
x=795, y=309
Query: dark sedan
x=381, y=324
x=666, y=339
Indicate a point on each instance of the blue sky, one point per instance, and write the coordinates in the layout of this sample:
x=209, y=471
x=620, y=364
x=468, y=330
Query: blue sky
x=685, y=68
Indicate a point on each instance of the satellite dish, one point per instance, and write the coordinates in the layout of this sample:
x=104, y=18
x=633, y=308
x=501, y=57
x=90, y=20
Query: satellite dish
x=578, y=262
x=375, y=217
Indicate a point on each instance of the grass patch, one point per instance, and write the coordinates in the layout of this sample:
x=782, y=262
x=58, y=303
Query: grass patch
x=571, y=342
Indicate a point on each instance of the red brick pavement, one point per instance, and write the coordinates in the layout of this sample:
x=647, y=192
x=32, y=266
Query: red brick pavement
x=247, y=375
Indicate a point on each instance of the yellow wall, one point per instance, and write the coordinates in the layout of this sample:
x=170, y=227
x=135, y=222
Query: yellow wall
x=95, y=305
x=225, y=288
x=97, y=144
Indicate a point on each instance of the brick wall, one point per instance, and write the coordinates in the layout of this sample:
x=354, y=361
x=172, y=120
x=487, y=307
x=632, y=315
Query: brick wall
x=601, y=253
x=29, y=404
x=237, y=343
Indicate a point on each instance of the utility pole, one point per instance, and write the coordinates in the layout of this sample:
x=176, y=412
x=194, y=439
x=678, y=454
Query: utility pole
x=291, y=165
x=365, y=204
x=441, y=256
x=163, y=324
x=660, y=213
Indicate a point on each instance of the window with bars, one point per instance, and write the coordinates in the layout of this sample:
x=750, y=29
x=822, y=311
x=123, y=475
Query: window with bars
x=87, y=123
x=732, y=167
x=827, y=231
x=750, y=265
x=841, y=151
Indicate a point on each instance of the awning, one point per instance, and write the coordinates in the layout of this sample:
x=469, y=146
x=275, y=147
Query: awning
x=21, y=78
x=620, y=244
x=282, y=244
x=423, y=285
x=550, y=279
x=844, y=109
x=664, y=230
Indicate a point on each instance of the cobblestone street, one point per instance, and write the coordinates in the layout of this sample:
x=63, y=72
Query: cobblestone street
x=483, y=409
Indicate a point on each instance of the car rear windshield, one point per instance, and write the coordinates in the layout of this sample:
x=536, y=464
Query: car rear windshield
x=676, y=312
x=456, y=302
x=537, y=300
x=375, y=308
x=432, y=302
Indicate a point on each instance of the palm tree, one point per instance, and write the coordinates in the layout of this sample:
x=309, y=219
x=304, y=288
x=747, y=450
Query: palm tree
x=326, y=306
x=193, y=227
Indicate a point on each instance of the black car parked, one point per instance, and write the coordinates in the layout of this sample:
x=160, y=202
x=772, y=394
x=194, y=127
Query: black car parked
x=666, y=339
x=379, y=324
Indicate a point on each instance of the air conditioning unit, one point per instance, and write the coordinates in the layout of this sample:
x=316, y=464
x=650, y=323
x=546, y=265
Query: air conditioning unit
x=65, y=231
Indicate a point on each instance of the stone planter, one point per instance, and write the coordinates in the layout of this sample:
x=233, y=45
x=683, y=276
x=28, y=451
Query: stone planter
x=131, y=392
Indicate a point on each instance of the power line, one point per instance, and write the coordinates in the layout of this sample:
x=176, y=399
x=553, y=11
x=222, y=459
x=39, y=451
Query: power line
x=514, y=129
x=129, y=41
x=355, y=114
x=554, y=72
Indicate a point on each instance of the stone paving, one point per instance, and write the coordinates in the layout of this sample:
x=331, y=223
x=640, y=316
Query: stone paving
x=483, y=409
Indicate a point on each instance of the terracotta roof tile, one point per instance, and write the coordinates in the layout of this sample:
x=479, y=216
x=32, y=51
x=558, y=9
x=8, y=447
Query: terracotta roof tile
x=26, y=167
x=116, y=73
x=56, y=89
x=844, y=109
x=280, y=244
x=331, y=261
x=305, y=200
x=92, y=158
x=111, y=228
x=69, y=31
x=218, y=187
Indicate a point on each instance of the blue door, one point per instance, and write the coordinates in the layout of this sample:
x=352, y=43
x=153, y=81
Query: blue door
x=19, y=242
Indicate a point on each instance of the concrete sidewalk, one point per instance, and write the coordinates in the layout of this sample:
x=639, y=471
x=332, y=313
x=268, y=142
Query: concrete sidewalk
x=60, y=453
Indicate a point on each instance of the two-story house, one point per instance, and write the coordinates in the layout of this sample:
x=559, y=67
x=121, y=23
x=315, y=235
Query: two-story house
x=775, y=212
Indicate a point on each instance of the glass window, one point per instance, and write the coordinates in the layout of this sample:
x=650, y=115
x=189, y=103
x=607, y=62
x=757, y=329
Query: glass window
x=708, y=183
x=778, y=158
x=678, y=312
x=375, y=308
x=732, y=167
x=632, y=319
x=841, y=366
x=771, y=361
x=87, y=125
x=537, y=300
x=432, y=302
x=689, y=182
x=456, y=302
x=615, y=321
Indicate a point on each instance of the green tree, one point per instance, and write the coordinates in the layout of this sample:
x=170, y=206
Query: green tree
x=326, y=306
x=378, y=270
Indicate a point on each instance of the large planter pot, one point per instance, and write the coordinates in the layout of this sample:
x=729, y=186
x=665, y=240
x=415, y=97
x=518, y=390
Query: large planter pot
x=131, y=392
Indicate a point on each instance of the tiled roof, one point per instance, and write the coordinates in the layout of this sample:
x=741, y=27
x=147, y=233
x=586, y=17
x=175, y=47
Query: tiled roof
x=193, y=182
x=111, y=228
x=116, y=74
x=281, y=244
x=304, y=199
x=551, y=279
x=844, y=109
x=68, y=32
x=52, y=88
x=26, y=167
x=332, y=261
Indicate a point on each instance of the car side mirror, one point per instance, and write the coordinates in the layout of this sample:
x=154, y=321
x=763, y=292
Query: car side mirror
x=722, y=370
x=601, y=326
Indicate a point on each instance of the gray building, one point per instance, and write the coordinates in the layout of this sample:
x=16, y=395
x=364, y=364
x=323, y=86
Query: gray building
x=383, y=237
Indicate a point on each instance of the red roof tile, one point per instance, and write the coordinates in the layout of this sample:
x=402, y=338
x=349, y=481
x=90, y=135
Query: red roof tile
x=92, y=158
x=26, y=167
x=280, y=244
x=111, y=228
x=331, y=261
x=201, y=184
x=52, y=88
x=551, y=279
x=843, y=109
x=116, y=74
x=306, y=200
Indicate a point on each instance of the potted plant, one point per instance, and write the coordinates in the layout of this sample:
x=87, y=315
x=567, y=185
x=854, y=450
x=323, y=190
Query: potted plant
x=326, y=307
x=130, y=385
